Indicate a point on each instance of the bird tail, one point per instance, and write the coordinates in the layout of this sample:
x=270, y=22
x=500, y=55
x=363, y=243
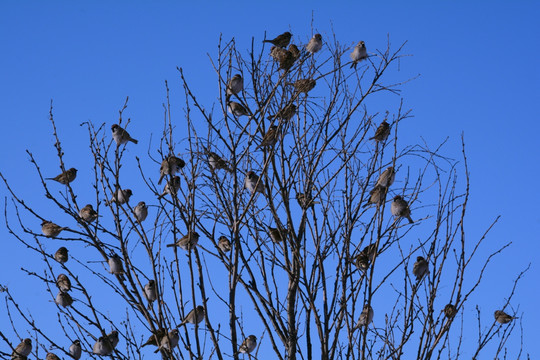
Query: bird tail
x=366, y=205
x=353, y=65
x=134, y=141
x=171, y=245
x=410, y=219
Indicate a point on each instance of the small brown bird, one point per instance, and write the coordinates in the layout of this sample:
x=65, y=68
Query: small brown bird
x=305, y=201
x=387, y=177
x=224, y=244
x=155, y=338
x=115, y=266
x=450, y=311
x=293, y=49
x=235, y=85
x=170, y=166
x=314, y=44
x=150, y=291
x=276, y=235
x=237, y=109
x=285, y=58
x=51, y=356
x=23, y=349
x=63, y=299
x=400, y=208
x=171, y=187
x=50, y=229
x=366, y=316
x=102, y=347
x=303, y=85
x=420, y=268
x=75, y=350
x=358, y=54
x=140, y=211
x=121, y=196
x=285, y=114
x=216, y=162
x=376, y=196
x=503, y=318
x=121, y=136
x=187, y=242
x=195, y=316
x=169, y=341
x=65, y=177
x=61, y=255
x=88, y=214
x=63, y=283
x=270, y=138
x=281, y=40
x=382, y=132
x=252, y=183
x=248, y=345
x=366, y=257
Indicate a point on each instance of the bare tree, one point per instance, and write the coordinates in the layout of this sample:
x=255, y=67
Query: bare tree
x=286, y=218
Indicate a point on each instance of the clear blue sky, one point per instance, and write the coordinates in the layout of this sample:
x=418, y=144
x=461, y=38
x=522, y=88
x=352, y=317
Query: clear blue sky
x=479, y=75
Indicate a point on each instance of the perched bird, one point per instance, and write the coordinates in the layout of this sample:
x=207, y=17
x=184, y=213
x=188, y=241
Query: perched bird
x=155, y=338
x=314, y=44
x=115, y=266
x=382, y=132
x=150, y=291
x=305, y=201
x=285, y=114
x=121, y=196
x=248, y=345
x=171, y=187
x=140, y=211
x=400, y=208
x=358, y=54
x=503, y=318
x=23, y=349
x=170, y=166
x=75, y=350
x=303, y=85
x=252, y=183
x=195, y=316
x=281, y=40
x=113, y=338
x=217, y=163
x=366, y=257
x=102, y=347
x=366, y=316
x=121, y=136
x=61, y=255
x=169, y=341
x=276, y=235
x=63, y=283
x=224, y=244
x=51, y=356
x=420, y=268
x=50, y=229
x=450, y=311
x=235, y=85
x=377, y=196
x=63, y=299
x=88, y=214
x=293, y=49
x=284, y=57
x=65, y=177
x=387, y=177
x=237, y=109
x=270, y=138
x=187, y=242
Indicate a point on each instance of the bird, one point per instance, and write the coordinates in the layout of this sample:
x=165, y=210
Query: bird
x=195, y=316
x=75, y=350
x=65, y=177
x=382, y=132
x=170, y=166
x=155, y=338
x=50, y=229
x=61, y=255
x=358, y=54
x=305, y=201
x=88, y=214
x=420, y=268
x=63, y=283
x=314, y=44
x=224, y=244
x=172, y=187
x=366, y=316
x=121, y=136
x=23, y=349
x=248, y=345
x=293, y=49
x=169, y=341
x=51, y=356
x=285, y=114
x=113, y=338
x=275, y=234
x=187, y=242
x=503, y=318
x=284, y=57
x=281, y=40
x=303, y=85
x=400, y=208
x=150, y=291
x=252, y=183
x=115, y=266
x=270, y=138
x=237, y=109
x=234, y=85
x=387, y=177
x=102, y=347
x=366, y=257
x=376, y=196
x=216, y=162
x=63, y=299
x=450, y=311
x=140, y=211
x=121, y=196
